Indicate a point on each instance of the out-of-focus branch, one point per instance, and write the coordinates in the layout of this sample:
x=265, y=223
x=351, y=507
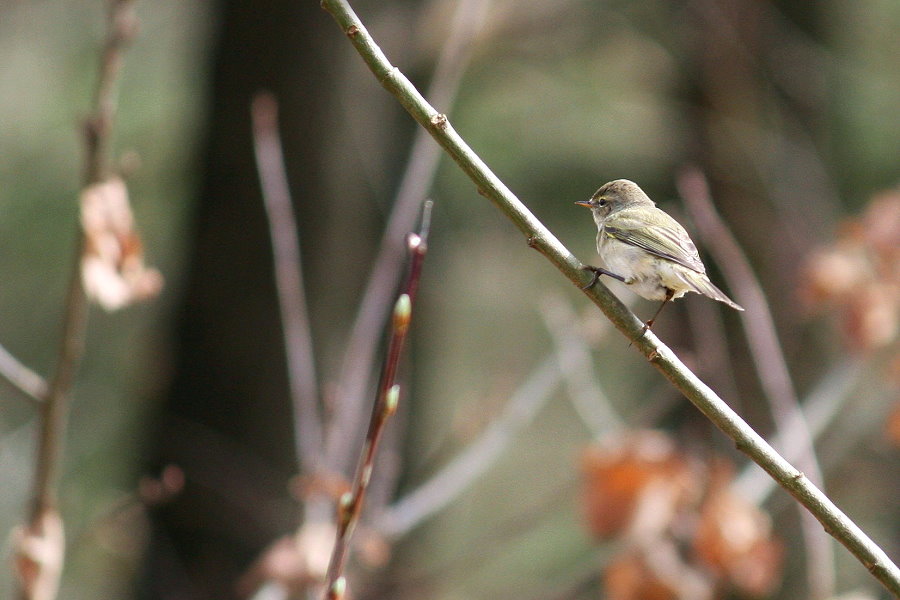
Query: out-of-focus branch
x=659, y=355
x=711, y=344
x=820, y=407
x=298, y=344
x=351, y=503
x=21, y=377
x=771, y=366
x=457, y=475
x=39, y=571
x=357, y=367
x=574, y=357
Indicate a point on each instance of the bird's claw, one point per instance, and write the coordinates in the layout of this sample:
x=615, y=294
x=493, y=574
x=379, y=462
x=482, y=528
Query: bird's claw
x=598, y=271
x=594, y=279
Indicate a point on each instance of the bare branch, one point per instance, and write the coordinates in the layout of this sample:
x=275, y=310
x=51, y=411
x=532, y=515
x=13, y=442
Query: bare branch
x=351, y=503
x=54, y=410
x=574, y=357
x=459, y=474
x=456, y=476
x=820, y=407
x=298, y=344
x=659, y=355
x=771, y=366
x=21, y=377
x=357, y=368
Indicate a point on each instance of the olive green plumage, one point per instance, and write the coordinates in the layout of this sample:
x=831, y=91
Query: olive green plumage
x=645, y=247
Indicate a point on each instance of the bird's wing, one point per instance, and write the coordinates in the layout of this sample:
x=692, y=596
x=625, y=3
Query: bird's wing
x=659, y=234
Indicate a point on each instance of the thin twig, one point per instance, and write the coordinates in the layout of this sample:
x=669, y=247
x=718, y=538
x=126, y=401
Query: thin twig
x=820, y=407
x=54, y=409
x=357, y=368
x=21, y=377
x=456, y=476
x=574, y=357
x=298, y=344
x=351, y=503
x=711, y=343
x=459, y=474
x=771, y=366
x=659, y=355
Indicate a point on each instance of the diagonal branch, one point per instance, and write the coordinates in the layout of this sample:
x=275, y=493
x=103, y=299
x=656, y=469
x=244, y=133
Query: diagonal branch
x=298, y=345
x=356, y=369
x=574, y=357
x=97, y=133
x=21, y=377
x=657, y=353
x=456, y=476
x=771, y=366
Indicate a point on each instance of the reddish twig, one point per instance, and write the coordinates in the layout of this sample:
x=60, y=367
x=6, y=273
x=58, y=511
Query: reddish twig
x=298, y=344
x=351, y=503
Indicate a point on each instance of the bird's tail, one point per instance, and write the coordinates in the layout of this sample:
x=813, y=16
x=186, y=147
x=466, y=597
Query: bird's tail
x=702, y=285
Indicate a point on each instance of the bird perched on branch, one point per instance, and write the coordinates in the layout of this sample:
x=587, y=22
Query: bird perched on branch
x=645, y=248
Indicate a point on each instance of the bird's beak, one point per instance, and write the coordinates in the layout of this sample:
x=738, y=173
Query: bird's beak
x=588, y=203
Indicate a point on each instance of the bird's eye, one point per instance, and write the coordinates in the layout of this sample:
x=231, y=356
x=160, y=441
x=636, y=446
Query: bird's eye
x=601, y=202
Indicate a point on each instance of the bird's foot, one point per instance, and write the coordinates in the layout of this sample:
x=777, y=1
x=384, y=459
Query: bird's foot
x=598, y=271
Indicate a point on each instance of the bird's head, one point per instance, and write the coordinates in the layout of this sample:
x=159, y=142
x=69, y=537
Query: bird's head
x=614, y=196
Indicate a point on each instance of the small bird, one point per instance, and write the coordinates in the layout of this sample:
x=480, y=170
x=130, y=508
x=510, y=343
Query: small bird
x=645, y=248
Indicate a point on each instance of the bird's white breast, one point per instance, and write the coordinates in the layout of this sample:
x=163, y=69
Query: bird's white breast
x=647, y=275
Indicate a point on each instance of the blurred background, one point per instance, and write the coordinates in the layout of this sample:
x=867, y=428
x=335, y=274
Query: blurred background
x=577, y=472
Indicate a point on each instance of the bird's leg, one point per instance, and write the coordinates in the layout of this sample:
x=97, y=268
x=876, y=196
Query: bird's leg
x=649, y=324
x=597, y=273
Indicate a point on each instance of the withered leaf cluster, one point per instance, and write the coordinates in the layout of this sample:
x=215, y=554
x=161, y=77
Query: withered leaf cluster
x=683, y=533
x=112, y=266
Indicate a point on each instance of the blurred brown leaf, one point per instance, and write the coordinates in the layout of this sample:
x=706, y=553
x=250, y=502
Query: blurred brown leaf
x=39, y=556
x=734, y=539
x=654, y=574
x=112, y=267
x=686, y=534
x=859, y=275
x=634, y=484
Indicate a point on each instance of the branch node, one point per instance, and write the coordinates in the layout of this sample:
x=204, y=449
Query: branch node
x=352, y=31
x=439, y=121
x=532, y=241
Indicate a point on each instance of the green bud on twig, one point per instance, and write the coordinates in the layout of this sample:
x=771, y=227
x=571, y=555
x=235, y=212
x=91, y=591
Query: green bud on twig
x=391, y=399
x=338, y=589
x=402, y=313
x=345, y=504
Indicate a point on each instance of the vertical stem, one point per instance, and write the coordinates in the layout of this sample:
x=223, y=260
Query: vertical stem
x=55, y=408
x=350, y=505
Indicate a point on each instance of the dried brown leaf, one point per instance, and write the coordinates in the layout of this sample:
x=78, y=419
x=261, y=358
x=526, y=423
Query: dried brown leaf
x=39, y=556
x=634, y=484
x=112, y=266
x=734, y=540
